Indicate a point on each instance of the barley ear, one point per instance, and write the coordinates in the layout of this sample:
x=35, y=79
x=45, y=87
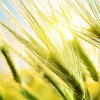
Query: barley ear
x=86, y=60
x=9, y=60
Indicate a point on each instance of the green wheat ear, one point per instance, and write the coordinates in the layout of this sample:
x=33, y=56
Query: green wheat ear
x=15, y=73
x=86, y=60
